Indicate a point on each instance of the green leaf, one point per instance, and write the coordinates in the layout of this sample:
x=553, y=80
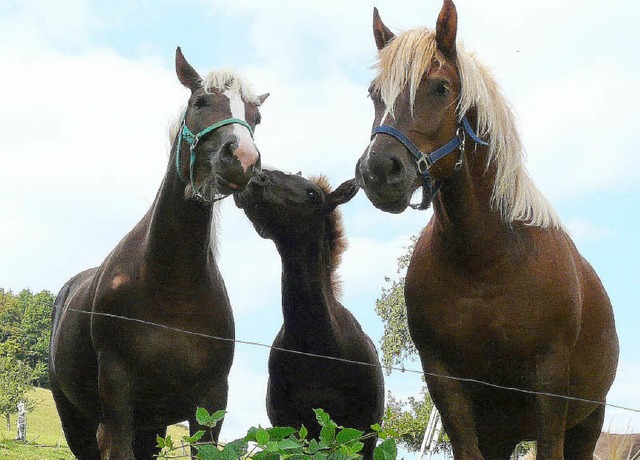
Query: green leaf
x=347, y=434
x=386, y=451
x=327, y=436
x=324, y=419
x=239, y=446
x=209, y=420
x=313, y=446
x=272, y=446
x=251, y=434
x=303, y=432
x=195, y=438
x=218, y=415
x=355, y=447
x=289, y=444
x=319, y=456
x=262, y=436
x=278, y=433
x=208, y=452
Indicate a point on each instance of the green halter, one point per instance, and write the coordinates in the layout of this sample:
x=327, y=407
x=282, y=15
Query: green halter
x=193, y=139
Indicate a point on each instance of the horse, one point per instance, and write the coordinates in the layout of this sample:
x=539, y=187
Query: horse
x=116, y=381
x=497, y=295
x=300, y=216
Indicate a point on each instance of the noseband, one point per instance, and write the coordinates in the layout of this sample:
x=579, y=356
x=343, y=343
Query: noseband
x=424, y=161
x=193, y=139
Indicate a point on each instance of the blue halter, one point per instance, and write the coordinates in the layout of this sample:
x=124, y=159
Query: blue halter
x=425, y=161
x=193, y=139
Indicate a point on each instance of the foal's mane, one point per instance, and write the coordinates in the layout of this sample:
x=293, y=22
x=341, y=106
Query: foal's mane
x=334, y=233
x=408, y=57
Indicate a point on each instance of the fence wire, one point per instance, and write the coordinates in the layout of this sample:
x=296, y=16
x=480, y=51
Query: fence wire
x=349, y=361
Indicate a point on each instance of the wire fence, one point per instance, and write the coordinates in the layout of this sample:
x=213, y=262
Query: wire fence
x=349, y=361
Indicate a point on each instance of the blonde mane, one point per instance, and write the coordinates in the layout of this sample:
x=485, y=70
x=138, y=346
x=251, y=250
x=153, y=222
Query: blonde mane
x=515, y=197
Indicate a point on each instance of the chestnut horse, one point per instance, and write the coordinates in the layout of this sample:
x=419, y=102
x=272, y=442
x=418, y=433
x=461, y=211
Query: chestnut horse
x=496, y=291
x=117, y=383
x=301, y=218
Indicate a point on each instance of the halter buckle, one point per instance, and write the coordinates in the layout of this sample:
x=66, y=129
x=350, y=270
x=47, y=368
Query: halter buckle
x=423, y=164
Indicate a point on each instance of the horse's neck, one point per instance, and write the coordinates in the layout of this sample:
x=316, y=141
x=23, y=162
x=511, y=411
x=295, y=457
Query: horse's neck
x=307, y=296
x=463, y=218
x=179, y=233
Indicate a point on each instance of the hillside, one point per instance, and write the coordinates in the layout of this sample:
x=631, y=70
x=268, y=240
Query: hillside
x=44, y=433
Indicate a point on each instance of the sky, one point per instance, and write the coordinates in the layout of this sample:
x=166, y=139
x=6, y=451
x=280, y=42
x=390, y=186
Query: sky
x=88, y=89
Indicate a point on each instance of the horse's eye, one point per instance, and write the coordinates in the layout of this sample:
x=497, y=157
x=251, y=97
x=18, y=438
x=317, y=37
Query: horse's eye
x=439, y=88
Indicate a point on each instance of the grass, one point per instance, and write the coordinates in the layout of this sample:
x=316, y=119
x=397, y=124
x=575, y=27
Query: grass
x=618, y=446
x=45, y=439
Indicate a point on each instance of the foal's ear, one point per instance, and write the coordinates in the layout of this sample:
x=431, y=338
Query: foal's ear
x=380, y=32
x=341, y=195
x=446, y=29
x=187, y=74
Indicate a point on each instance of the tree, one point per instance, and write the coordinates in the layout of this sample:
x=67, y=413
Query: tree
x=34, y=333
x=25, y=329
x=15, y=378
x=409, y=417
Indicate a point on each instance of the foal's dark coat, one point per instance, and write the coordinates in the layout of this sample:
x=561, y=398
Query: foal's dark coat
x=116, y=383
x=300, y=217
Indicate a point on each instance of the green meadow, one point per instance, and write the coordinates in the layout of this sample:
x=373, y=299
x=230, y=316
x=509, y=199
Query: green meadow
x=45, y=439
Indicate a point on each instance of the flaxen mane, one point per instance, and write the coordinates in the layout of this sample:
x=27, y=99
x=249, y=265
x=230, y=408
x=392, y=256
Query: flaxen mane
x=334, y=233
x=514, y=195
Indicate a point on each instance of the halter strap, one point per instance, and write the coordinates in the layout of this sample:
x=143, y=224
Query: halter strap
x=193, y=139
x=425, y=161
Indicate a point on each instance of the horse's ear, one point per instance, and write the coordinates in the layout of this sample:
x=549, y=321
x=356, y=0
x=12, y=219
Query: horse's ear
x=341, y=195
x=187, y=74
x=380, y=32
x=446, y=29
x=262, y=98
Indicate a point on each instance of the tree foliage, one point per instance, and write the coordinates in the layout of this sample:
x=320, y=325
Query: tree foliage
x=25, y=329
x=409, y=418
x=15, y=378
x=396, y=344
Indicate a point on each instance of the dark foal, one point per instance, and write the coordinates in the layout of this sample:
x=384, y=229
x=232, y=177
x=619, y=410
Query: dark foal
x=301, y=218
x=118, y=383
x=496, y=290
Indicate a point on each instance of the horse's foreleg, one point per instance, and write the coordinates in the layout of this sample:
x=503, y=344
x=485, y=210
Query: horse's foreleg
x=580, y=441
x=115, y=433
x=552, y=376
x=456, y=409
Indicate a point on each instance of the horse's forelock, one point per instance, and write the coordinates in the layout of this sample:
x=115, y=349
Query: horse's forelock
x=223, y=79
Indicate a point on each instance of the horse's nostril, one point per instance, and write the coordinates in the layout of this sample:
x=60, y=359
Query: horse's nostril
x=396, y=166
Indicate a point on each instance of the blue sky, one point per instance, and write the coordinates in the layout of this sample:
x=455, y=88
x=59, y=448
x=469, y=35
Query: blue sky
x=88, y=89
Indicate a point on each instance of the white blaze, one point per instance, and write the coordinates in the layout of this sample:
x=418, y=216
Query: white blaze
x=246, y=147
